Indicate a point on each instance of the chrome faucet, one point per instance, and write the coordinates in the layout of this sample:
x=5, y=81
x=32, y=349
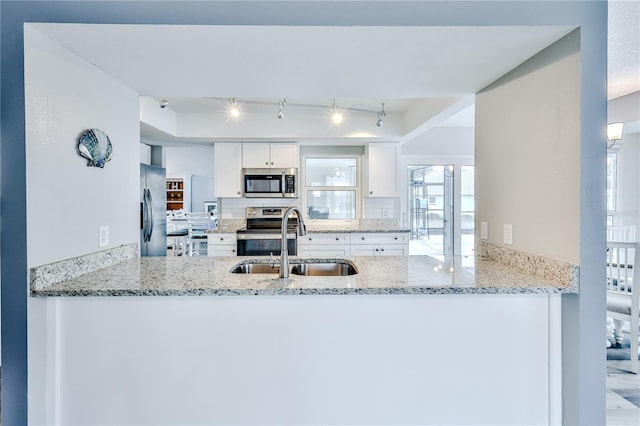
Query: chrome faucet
x=284, y=254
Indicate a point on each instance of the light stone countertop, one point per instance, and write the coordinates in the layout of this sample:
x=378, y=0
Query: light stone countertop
x=328, y=230
x=202, y=275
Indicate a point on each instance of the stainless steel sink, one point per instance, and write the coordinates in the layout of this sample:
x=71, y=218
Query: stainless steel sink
x=338, y=268
x=308, y=267
x=255, y=268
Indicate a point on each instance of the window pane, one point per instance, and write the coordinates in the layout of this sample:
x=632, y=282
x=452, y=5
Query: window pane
x=331, y=204
x=467, y=211
x=330, y=172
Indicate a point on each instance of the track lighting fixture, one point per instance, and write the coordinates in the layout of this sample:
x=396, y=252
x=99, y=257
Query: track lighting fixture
x=234, y=108
x=234, y=111
x=164, y=103
x=381, y=115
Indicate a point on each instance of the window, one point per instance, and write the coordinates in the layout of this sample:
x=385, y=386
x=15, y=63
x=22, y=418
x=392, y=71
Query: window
x=331, y=187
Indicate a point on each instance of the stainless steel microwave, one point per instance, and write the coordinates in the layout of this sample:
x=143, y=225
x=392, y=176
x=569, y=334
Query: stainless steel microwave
x=270, y=183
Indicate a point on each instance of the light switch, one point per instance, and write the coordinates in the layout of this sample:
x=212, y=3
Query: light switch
x=508, y=234
x=484, y=230
x=104, y=236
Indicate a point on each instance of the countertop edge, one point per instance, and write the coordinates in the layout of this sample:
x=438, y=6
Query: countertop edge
x=304, y=292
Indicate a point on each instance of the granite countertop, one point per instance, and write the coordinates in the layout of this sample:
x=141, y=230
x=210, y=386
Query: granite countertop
x=329, y=230
x=202, y=275
x=358, y=229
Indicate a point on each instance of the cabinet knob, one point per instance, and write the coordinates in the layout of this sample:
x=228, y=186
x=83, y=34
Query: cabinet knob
x=233, y=250
x=370, y=192
x=266, y=163
x=395, y=238
x=381, y=249
x=377, y=250
x=309, y=238
x=362, y=238
x=221, y=238
x=272, y=163
x=238, y=192
x=337, y=239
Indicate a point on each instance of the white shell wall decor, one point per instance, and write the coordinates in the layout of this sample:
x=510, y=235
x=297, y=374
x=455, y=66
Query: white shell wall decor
x=95, y=146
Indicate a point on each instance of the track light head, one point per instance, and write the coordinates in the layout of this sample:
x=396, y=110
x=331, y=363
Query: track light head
x=164, y=103
x=336, y=115
x=381, y=115
x=280, y=114
x=234, y=111
x=283, y=103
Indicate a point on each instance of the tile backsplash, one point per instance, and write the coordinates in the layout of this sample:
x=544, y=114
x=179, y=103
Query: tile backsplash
x=235, y=208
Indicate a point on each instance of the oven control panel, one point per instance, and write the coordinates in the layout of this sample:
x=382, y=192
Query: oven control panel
x=267, y=212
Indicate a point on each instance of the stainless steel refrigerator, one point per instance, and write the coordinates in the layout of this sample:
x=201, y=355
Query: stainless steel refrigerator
x=153, y=211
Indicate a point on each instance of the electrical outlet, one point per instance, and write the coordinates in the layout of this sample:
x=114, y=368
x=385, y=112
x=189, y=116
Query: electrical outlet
x=104, y=236
x=507, y=233
x=484, y=230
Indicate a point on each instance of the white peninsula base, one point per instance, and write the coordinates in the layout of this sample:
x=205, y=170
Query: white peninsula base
x=332, y=360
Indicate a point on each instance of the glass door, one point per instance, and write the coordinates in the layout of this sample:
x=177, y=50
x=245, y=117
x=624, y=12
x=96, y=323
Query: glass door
x=431, y=210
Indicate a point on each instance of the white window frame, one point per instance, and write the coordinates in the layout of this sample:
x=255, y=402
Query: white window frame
x=304, y=189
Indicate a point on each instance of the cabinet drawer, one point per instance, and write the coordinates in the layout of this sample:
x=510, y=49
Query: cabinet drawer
x=323, y=251
x=379, y=238
x=314, y=239
x=221, y=239
x=221, y=250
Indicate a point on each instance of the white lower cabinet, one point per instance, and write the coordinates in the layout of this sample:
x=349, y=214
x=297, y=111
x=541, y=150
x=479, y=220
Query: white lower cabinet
x=222, y=244
x=380, y=244
x=354, y=244
x=324, y=245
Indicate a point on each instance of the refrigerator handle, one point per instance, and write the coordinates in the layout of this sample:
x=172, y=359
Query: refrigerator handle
x=145, y=216
x=150, y=214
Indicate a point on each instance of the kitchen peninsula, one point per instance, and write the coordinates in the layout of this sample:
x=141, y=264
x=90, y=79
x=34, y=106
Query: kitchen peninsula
x=393, y=341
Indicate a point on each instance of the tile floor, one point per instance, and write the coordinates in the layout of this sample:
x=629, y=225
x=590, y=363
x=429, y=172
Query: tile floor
x=623, y=395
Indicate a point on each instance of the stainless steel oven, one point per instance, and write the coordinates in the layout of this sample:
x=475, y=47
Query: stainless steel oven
x=263, y=234
x=270, y=183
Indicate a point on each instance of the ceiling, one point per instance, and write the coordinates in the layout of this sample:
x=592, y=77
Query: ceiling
x=427, y=72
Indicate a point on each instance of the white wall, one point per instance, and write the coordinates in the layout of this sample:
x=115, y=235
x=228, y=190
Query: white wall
x=305, y=360
x=198, y=162
x=442, y=141
x=67, y=201
x=528, y=154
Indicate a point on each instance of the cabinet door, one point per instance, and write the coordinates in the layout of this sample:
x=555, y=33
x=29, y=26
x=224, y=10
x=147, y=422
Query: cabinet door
x=365, y=249
x=393, y=250
x=284, y=155
x=228, y=170
x=255, y=156
x=381, y=175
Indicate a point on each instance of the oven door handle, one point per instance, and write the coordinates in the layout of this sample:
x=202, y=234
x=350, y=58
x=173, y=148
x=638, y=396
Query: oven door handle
x=263, y=236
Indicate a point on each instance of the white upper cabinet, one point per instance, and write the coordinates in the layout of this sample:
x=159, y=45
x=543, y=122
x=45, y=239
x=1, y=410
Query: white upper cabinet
x=228, y=170
x=381, y=176
x=269, y=155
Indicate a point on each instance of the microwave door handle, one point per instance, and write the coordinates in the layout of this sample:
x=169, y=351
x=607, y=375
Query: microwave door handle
x=283, y=185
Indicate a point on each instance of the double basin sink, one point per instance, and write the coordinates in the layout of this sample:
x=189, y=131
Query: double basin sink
x=309, y=267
